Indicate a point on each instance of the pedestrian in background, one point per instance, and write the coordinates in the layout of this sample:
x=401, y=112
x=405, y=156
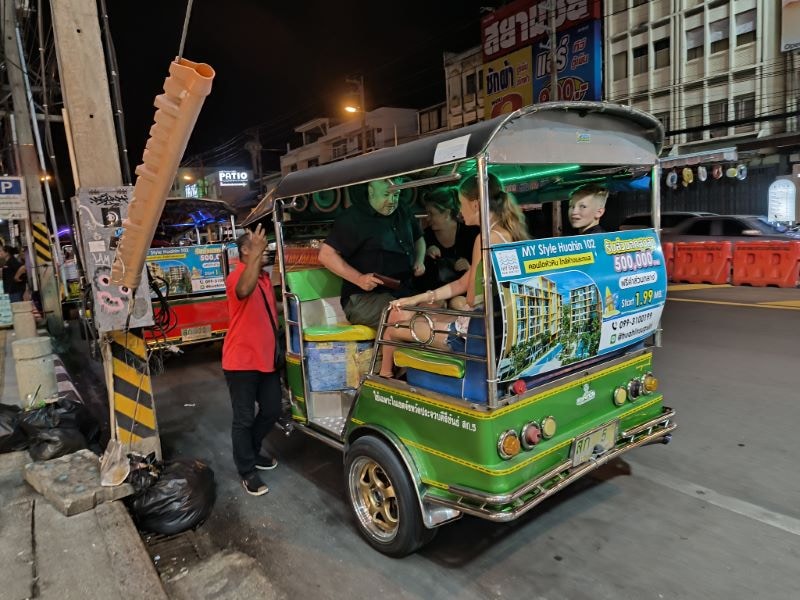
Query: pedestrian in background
x=249, y=360
x=15, y=277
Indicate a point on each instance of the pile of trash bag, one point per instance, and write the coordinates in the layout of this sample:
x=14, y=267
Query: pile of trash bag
x=49, y=430
x=170, y=496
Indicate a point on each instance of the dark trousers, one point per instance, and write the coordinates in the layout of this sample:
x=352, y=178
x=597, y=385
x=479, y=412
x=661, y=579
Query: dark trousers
x=248, y=389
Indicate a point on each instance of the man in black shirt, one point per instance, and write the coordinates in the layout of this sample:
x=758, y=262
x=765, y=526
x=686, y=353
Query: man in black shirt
x=586, y=205
x=368, y=247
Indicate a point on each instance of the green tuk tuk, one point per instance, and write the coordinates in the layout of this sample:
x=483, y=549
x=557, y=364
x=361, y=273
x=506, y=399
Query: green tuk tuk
x=555, y=376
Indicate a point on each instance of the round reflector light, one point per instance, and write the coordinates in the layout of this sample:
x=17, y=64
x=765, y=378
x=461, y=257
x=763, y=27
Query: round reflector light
x=620, y=396
x=650, y=383
x=634, y=388
x=548, y=427
x=508, y=446
x=531, y=435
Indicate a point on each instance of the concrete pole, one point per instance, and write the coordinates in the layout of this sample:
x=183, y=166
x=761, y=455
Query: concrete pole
x=28, y=165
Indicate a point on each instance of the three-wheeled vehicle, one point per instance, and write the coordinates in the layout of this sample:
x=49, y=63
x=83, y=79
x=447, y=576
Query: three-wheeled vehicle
x=187, y=265
x=558, y=380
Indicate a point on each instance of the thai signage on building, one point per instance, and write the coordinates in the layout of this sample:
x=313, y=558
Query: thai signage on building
x=509, y=83
x=580, y=59
x=522, y=22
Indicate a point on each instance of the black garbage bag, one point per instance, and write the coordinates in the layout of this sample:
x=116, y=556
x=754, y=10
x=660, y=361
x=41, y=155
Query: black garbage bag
x=59, y=428
x=52, y=443
x=12, y=438
x=171, y=497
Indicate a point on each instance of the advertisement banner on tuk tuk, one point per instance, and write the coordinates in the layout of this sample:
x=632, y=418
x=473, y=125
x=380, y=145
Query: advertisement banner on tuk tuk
x=569, y=299
x=187, y=269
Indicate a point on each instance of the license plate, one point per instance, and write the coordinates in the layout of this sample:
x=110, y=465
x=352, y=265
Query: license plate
x=598, y=441
x=196, y=333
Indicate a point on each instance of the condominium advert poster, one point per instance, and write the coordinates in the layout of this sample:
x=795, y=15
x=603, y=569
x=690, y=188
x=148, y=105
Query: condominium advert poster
x=568, y=299
x=187, y=269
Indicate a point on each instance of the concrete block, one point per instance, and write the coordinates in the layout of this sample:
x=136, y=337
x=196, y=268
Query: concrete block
x=24, y=323
x=72, y=483
x=34, y=368
x=223, y=576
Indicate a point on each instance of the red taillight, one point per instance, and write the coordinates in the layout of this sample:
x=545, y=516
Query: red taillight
x=531, y=435
x=519, y=387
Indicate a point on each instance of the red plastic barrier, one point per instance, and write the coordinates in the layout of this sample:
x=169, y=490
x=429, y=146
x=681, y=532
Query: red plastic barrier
x=668, y=248
x=773, y=263
x=702, y=262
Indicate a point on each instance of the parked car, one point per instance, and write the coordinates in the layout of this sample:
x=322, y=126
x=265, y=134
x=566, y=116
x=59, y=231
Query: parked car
x=727, y=227
x=669, y=220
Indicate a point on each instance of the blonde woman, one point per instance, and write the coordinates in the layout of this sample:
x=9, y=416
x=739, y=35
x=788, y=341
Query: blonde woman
x=506, y=224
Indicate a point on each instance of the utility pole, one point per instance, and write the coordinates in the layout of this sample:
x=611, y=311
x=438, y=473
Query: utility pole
x=29, y=168
x=551, y=18
x=96, y=158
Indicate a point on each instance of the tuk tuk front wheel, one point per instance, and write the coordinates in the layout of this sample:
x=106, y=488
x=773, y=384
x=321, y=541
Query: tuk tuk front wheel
x=382, y=498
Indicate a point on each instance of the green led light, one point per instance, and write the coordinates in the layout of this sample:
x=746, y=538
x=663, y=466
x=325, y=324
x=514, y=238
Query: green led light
x=533, y=174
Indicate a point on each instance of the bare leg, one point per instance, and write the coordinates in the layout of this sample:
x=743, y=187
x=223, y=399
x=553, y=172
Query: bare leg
x=404, y=334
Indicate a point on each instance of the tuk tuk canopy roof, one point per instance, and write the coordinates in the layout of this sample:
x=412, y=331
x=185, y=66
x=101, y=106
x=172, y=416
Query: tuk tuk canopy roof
x=584, y=133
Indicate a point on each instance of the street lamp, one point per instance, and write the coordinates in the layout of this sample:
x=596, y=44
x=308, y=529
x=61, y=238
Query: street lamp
x=359, y=82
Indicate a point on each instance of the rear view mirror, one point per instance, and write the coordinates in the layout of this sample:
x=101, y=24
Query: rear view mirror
x=751, y=232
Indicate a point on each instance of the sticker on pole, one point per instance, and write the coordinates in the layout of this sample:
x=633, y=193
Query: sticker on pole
x=13, y=199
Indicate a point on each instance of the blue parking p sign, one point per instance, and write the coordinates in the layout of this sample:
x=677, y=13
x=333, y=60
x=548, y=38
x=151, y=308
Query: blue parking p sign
x=13, y=202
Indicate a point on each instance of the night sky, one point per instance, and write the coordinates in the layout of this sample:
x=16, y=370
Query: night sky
x=280, y=64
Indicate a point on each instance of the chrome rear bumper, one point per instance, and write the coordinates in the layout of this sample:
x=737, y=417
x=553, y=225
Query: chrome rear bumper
x=495, y=507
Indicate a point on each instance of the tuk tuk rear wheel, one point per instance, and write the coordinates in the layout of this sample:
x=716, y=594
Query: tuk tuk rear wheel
x=383, y=500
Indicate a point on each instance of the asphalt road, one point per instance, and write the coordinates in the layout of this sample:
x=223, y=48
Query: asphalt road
x=713, y=515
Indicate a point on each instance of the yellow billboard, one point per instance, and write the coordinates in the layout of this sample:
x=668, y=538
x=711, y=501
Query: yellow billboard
x=508, y=83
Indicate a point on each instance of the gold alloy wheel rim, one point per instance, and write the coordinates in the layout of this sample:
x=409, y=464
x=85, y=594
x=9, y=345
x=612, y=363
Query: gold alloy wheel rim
x=374, y=498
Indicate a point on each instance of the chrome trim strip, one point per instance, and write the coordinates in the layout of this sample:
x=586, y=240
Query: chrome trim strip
x=564, y=472
x=326, y=439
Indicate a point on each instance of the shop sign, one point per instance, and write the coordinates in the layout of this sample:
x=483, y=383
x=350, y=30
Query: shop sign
x=233, y=178
x=509, y=83
x=13, y=199
x=579, y=56
x=782, y=194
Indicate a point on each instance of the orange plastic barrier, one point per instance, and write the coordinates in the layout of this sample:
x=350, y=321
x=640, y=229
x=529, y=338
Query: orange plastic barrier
x=702, y=262
x=668, y=248
x=767, y=263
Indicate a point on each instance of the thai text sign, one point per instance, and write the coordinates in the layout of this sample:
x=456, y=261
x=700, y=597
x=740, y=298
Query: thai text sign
x=509, y=83
x=569, y=299
x=519, y=23
x=580, y=60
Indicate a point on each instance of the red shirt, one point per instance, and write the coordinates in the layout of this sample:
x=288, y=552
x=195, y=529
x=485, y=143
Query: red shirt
x=250, y=342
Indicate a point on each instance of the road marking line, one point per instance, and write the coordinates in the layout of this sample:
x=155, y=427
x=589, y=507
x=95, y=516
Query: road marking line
x=795, y=303
x=685, y=287
x=734, y=303
x=740, y=507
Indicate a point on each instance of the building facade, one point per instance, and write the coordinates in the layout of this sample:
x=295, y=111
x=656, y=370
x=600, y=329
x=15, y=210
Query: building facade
x=327, y=140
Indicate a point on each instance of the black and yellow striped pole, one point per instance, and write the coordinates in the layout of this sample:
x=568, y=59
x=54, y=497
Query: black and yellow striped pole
x=41, y=244
x=133, y=411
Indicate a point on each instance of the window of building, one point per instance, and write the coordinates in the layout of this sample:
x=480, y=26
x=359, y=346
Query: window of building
x=718, y=35
x=619, y=6
x=746, y=27
x=640, y=60
x=293, y=168
x=718, y=113
x=640, y=2
x=313, y=162
x=661, y=51
x=469, y=85
x=694, y=118
x=339, y=148
x=664, y=118
x=694, y=43
x=620, y=65
x=744, y=107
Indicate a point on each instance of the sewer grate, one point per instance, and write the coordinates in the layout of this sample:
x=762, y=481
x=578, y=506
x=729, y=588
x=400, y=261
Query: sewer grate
x=173, y=555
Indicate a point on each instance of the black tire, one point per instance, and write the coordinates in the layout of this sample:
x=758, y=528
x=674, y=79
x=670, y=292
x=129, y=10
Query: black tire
x=382, y=498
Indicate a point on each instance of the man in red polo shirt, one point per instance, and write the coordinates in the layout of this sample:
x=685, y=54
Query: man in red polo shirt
x=248, y=360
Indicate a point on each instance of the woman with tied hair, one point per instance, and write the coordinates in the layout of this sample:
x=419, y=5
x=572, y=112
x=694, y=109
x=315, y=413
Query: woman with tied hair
x=448, y=241
x=506, y=224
